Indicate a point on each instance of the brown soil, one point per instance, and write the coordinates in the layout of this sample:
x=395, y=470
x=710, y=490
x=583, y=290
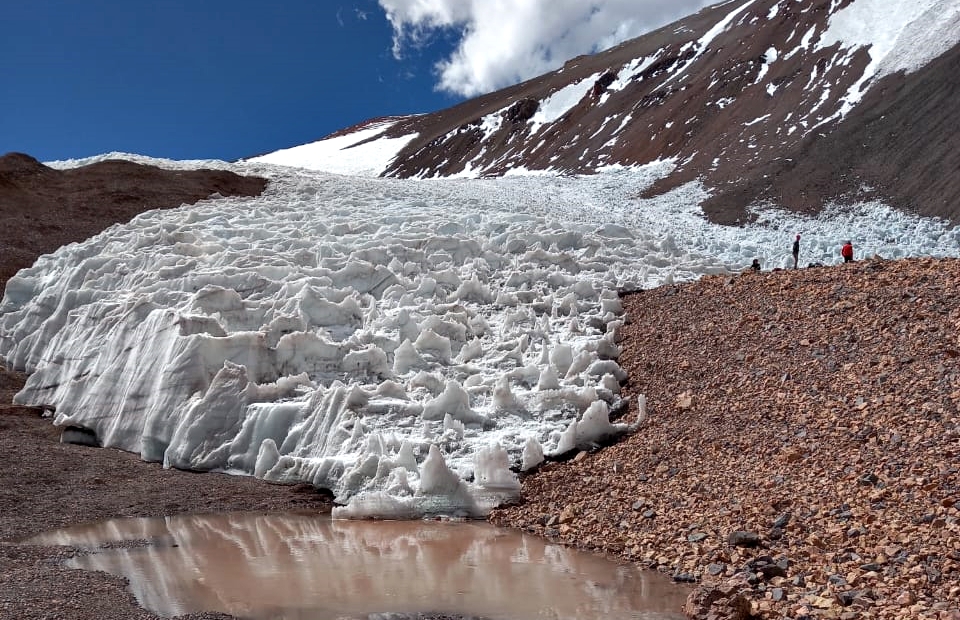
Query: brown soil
x=42, y=208
x=898, y=145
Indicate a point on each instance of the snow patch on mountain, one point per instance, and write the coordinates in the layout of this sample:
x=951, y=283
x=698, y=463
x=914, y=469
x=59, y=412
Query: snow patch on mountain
x=900, y=35
x=703, y=44
x=359, y=153
x=557, y=104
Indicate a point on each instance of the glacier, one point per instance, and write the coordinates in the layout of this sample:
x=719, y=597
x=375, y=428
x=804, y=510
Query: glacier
x=408, y=344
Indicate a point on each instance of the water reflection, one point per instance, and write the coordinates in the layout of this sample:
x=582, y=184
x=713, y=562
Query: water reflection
x=306, y=566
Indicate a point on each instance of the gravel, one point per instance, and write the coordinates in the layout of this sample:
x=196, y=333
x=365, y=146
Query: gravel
x=800, y=445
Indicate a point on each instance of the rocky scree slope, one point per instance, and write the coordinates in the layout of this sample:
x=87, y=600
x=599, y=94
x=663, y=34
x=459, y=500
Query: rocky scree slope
x=802, y=440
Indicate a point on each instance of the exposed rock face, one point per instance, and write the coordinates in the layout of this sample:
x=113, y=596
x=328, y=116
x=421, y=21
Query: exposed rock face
x=42, y=208
x=824, y=422
x=896, y=144
x=744, y=99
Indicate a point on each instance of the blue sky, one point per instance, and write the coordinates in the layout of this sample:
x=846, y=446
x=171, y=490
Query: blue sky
x=225, y=79
x=189, y=79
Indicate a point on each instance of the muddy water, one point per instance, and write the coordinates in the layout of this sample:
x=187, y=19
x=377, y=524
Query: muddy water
x=306, y=566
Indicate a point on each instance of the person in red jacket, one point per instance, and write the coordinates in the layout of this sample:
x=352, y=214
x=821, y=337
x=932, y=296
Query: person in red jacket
x=847, y=252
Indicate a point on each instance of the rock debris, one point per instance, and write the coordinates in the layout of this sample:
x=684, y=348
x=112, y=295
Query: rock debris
x=800, y=450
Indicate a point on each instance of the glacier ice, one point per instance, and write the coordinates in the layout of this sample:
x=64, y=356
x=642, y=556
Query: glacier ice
x=407, y=344
x=384, y=342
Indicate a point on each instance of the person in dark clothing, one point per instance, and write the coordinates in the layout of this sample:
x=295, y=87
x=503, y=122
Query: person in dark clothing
x=796, y=251
x=847, y=252
x=755, y=265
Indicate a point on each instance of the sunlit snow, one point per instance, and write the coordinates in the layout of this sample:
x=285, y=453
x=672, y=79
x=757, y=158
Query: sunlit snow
x=560, y=102
x=359, y=153
x=900, y=34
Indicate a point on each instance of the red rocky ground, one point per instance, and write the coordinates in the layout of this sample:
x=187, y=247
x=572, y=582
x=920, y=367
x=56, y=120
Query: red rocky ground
x=801, y=444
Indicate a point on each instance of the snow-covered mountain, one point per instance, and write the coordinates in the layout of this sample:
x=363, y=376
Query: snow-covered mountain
x=792, y=102
x=411, y=342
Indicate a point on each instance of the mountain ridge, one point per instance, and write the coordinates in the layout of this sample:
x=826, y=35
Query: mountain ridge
x=751, y=98
x=35, y=200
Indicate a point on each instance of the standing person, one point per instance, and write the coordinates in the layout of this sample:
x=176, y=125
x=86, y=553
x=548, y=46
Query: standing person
x=847, y=251
x=796, y=251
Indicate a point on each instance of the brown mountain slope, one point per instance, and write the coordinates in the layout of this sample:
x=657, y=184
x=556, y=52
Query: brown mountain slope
x=816, y=408
x=898, y=145
x=42, y=208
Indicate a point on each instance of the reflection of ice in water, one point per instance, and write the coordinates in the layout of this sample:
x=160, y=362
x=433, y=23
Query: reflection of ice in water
x=291, y=566
x=402, y=343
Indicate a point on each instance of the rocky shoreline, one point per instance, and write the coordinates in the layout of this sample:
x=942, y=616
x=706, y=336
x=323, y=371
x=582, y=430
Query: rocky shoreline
x=799, y=454
x=45, y=485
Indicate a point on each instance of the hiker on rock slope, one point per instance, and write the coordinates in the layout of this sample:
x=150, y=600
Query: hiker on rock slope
x=847, y=251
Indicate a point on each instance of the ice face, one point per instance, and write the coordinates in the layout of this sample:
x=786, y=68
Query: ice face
x=406, y=344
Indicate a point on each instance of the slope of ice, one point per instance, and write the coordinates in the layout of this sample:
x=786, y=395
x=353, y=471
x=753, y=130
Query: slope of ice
x=560, y=102
x=408, y=344
x=168, y=164
x=901, y=35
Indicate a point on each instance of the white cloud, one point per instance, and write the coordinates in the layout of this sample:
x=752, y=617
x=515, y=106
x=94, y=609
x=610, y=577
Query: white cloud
x=502, y=42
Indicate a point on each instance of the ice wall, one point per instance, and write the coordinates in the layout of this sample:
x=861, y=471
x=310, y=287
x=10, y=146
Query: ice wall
x=396, y=345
